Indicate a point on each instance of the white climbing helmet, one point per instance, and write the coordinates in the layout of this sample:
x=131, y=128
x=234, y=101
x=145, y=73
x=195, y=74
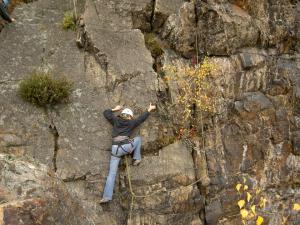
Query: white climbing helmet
x=127, y=112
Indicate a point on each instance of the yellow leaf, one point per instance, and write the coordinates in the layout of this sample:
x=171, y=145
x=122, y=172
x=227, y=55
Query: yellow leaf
x=244, y=213
x=244, y=223
x=259, y=220
x=238, y=187
x=246, y=187
x=249, y=196
x=262, y=202
x=241, y=203
x=253, y=209
x=244, y=179
x=258, y=191
x=296, y=207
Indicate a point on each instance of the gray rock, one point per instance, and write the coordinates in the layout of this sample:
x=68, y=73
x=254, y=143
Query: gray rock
x=296, y=142
x=179, y=30
x=257, y=76
x=163, y=9
x=256, y=101
x=30, y=195
x=8, y=140
x=213, y=210
x=249, y=60
x=173, y=160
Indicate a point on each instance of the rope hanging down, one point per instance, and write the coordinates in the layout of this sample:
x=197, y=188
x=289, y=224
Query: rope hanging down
x=133, y=195
x=75, y=8
x=155, y=192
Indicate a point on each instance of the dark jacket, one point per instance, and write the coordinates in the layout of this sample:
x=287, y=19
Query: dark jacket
x=122, y=127
x=3, y=12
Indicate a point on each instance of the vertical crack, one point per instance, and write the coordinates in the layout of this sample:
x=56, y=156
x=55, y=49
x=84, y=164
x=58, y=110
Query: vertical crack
x=199, y=160
x=53, y=130
x=55, y=134
x=153, y=4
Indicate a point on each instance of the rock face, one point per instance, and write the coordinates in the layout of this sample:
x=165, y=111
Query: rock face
x=54, y=163
x=224, y=27
x=29, y=195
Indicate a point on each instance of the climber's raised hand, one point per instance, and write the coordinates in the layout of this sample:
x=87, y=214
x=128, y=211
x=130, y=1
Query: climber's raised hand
x=117, y=108
x=151, y=107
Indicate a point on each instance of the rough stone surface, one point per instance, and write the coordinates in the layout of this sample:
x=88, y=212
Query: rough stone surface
x=162, y=10
x=252, y=138
x=29, y=195
x=223, y=27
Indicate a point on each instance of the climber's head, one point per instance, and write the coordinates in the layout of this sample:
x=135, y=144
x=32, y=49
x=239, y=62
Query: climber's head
x=127, y=114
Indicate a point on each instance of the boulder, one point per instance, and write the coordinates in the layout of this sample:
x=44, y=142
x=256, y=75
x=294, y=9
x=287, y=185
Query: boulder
x=29, y=195
x=162, y=10
x=166, y=182
x=180, y=29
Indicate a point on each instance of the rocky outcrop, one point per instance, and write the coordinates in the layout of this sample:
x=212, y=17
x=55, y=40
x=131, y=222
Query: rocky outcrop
x=168, y=191
x=223, y=27
x=54, y=162
x=30, y=195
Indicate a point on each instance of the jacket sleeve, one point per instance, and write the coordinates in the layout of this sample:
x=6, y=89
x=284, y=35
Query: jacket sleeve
x=141, y=119
x=4, y=13
x=108, y=114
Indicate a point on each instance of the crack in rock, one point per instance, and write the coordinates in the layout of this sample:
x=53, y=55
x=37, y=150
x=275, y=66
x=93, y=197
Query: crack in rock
x=55, y=134
x=153, y=4
x=9, y=80
x=79, y=178
x=122, y=79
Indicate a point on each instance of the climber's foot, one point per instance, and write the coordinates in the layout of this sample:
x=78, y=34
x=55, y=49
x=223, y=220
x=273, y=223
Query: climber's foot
x=104, y=200
x=136, y=162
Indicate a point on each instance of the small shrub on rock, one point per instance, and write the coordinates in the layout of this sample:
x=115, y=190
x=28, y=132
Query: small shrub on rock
x=68, y=21
x=153, y=45
x=42, y=90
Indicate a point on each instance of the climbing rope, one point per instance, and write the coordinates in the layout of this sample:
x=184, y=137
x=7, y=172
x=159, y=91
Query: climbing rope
x=133, y=195
x=155, y=192
x=75, y=8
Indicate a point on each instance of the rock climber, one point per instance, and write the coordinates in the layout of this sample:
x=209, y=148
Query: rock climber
x=123, y=126
x=3, y=12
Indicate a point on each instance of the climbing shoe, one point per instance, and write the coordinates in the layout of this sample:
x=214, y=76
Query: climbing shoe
x=104, y=200
x=136, y=162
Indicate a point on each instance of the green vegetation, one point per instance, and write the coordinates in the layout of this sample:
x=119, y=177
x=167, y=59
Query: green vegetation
x=42, y=90
x=68, y=21
x=153, y=45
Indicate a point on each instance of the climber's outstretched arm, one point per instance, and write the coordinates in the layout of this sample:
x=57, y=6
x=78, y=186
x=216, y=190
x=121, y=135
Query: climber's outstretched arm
x=108, y=114
x=144, y=116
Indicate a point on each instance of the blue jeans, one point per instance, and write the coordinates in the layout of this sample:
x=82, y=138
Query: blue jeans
x=114, y=163
x=6, y=2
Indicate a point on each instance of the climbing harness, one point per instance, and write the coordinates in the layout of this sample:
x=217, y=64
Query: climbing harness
x=120, y=145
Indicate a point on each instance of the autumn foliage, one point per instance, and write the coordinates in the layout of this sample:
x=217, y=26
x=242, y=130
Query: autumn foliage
x=196, y=94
